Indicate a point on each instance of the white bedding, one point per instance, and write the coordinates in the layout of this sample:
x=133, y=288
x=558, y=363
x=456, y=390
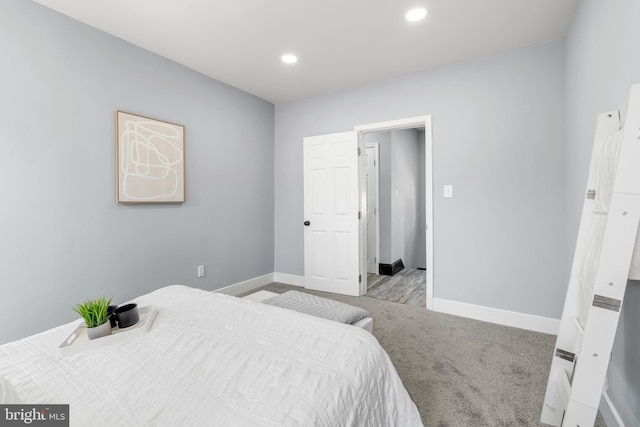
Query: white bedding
x=216, y=360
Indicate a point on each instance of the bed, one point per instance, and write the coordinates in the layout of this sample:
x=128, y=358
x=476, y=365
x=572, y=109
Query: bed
x=216, y=360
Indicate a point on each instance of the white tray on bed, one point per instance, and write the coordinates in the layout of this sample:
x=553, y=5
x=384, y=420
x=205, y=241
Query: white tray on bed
x=78, y=342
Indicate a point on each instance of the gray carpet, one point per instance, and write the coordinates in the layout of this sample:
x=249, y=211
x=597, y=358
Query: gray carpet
x=460, y=372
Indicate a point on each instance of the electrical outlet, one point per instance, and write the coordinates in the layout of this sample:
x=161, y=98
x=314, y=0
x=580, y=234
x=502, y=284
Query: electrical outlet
x=201, y=271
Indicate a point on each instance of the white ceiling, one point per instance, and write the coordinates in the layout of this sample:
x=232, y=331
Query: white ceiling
x=340, y=43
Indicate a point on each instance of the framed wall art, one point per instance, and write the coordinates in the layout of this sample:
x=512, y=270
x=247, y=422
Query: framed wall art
x=149, y=160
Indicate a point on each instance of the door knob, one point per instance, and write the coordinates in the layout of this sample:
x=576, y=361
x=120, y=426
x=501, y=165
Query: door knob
x=307, y=223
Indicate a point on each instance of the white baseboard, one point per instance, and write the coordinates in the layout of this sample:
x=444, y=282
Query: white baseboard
x=289, y=279
x=257, y=282
x=247, y=285
x=609, y=413
x=494, y=315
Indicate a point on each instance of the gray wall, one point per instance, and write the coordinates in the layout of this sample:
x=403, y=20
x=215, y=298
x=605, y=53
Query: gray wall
x=404, y=172
x=498, y=136
x=602, y=64
x=63, y=238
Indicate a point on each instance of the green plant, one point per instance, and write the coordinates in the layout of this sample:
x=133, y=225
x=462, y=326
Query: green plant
x=94, y=312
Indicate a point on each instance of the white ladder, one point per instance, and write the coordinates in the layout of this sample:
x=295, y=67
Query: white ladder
x=581, y=356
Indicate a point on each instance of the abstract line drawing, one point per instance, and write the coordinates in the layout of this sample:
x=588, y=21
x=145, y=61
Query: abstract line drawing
x=150, y=160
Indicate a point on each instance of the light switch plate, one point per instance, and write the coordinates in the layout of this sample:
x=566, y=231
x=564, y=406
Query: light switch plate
x=448, y=191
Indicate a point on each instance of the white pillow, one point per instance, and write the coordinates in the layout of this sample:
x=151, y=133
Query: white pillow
x=8, y=393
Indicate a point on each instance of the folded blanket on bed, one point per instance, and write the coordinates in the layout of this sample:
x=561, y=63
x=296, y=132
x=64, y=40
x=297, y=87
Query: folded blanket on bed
x=317, y=306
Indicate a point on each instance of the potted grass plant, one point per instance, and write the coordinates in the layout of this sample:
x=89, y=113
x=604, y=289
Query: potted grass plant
x=96, y=316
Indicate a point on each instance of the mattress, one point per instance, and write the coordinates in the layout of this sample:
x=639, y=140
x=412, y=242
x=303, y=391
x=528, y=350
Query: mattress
x=216, y=360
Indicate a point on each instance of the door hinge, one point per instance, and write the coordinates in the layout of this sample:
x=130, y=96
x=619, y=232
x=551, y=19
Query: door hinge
x=359, y=214
x=375, y=260
x=374, y=163
x=375, y=211
x=359, y=152
x=360, y=279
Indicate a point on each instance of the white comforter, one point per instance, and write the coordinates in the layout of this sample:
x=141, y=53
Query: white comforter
x=215, y=360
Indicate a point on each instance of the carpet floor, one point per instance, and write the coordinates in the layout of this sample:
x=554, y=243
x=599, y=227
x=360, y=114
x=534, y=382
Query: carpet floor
x=460, y=372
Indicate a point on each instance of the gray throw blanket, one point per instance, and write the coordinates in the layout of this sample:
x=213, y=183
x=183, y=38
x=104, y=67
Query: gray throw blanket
x=317, y=306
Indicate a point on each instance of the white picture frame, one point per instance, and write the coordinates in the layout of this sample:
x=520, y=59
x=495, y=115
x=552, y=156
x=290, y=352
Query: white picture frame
x=149, y=160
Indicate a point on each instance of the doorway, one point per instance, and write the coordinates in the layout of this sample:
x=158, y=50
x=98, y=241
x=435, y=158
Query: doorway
x=335, y=208
x=423, y=232
x=400, y=273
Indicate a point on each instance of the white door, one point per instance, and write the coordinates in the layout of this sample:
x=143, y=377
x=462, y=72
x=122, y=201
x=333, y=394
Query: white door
x=371, y=178
x=331, y=203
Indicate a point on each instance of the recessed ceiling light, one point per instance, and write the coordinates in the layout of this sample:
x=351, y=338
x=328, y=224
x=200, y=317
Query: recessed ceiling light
x=416, y=14
x=289, y=58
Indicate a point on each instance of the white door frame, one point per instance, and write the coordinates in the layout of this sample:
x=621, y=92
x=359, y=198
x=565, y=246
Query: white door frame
x=408, y=123
x=376, y=225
